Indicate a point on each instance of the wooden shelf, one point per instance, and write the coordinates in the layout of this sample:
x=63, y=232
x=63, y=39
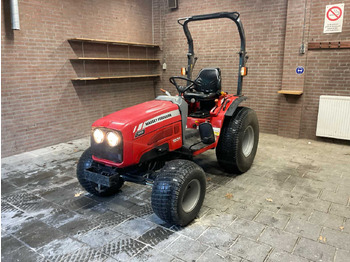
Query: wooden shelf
x=290, y=92
x=100, y=41
x=88, y=59
x=111, y=77
x=329, y=45
x=114, y=59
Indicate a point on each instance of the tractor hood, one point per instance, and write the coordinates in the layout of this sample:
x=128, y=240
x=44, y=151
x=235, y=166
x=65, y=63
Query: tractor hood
x=147, y=115
x=142, y=128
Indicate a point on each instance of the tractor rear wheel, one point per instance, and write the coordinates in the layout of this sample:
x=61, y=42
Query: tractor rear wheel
x=84, y=163
x=238, y=141
x=178, y=192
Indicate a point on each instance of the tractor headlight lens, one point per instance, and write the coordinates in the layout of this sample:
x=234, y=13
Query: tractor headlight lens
x=98, y=136
x=113, y=139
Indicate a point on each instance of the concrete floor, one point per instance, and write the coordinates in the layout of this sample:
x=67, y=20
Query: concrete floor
x=292, y=205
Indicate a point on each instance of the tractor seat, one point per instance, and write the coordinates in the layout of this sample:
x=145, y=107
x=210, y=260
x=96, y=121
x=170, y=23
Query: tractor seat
x=208, y=85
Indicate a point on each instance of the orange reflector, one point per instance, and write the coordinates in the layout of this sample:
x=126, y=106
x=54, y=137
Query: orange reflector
x=183, y=71
x=244, y=71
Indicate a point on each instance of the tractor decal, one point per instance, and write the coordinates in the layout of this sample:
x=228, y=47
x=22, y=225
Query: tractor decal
x=155, y=120
x=176, y=139
x=216, y=131
x=160, y=118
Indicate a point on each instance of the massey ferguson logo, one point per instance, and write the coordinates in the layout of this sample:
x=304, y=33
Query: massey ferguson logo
x=155, y=120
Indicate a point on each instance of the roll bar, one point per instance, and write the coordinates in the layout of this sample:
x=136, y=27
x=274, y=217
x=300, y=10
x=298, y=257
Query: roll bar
x=234, y=16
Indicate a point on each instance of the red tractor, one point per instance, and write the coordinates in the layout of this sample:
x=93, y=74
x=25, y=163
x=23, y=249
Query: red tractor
x=153, y=143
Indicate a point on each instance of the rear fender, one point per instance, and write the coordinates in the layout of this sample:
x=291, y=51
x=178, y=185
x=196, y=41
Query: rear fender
x=218, y=119
x=231, y=110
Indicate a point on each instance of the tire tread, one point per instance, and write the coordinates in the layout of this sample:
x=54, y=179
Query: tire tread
x=166, y=189
x=227, y=150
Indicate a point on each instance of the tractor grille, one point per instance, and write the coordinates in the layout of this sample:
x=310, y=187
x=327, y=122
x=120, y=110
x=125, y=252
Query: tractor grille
x=104, y=151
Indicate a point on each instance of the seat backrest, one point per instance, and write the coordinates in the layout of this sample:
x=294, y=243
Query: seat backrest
x=209, y=80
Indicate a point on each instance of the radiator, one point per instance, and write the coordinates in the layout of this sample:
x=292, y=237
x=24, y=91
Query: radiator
x=334, y=117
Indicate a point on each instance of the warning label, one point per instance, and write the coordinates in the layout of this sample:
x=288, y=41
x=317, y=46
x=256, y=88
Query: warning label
x=333, y=21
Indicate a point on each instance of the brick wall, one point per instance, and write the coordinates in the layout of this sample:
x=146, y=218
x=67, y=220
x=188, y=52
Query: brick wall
x=290, y=107
x=217, y=42
x=328, y=71
x=274, y=31
x=40, y=105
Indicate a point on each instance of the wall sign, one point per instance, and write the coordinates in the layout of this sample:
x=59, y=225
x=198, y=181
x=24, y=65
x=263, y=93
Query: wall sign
x=299, y=70
x=333, y=20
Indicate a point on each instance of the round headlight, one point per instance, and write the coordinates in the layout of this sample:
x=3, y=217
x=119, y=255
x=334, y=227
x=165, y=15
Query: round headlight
x=98, y=136
x=113, y=139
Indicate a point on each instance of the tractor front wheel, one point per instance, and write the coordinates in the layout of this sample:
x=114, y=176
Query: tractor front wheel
x=84, y=163
x=178, y=192
x=238, y=141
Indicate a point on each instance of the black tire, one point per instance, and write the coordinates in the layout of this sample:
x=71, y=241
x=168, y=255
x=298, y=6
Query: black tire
x=178, y=192
x=85, y=162
x=238, y=141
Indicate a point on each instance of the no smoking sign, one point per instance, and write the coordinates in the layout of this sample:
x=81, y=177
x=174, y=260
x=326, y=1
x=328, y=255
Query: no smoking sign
x=333, y=21
x=334, y=13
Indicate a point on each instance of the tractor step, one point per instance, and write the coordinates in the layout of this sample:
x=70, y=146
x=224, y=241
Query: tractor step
x=193, y=140
x=191, y=132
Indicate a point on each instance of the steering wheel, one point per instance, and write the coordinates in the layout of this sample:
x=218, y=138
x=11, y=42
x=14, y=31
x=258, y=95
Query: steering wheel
x=182, y=89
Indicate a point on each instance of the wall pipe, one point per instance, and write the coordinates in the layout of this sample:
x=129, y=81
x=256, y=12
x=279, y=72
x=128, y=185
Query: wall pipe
x=14, y=14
